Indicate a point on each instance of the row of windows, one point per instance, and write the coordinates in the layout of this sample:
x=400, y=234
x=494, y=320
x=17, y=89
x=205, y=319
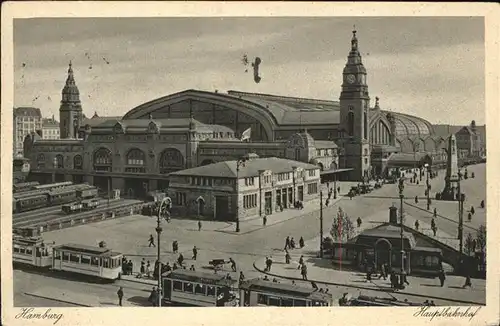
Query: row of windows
x=105, y=262
x=180, y=198
x=205, y=181
x=267, y=179
x=249, y=181
x=135, y=161
x=325, y=152
x=250, y=201
x=312, y=173
x=269, y=300
x=200, y=289
x=312, y=188
x=284, y=176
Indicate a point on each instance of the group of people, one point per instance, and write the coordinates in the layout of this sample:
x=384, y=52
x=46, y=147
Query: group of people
x=290, y=243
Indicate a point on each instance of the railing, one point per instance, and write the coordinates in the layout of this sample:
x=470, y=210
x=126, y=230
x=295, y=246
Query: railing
x=70, y=221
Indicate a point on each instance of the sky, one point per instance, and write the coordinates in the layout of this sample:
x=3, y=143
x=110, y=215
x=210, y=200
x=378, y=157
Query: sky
x=432, y=67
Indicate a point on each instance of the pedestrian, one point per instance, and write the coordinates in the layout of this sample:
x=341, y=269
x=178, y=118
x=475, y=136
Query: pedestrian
x=192, y=268
x=168, y=268
x=287, y=242
x=151, y=241
x=442, y=277
x=435, y=212
x=174, y=267
x=482, y=203
x=327, y=202
x=383, y=272
x=175, y=246
x=148, y=269
x=199, y=225
x=432, y=303
x=130, y=267
x=416, y=199
x=359, y=221
x=314, y=286
x=434, y=230
x=242, y=277
x=153, y=297
x=292, y=243
x=301, y=242
x=264, y=220
x=304, y=272
x=469, y=216
x=180, y=259
x=120, y=295
x=233, y=264
x=405, y=279
x=143, y=267
x=338, y=190
x=301, y=262
x=417, y=225
x=269, y=264
x=472, y=211
x=287, y=257
x=195, y=252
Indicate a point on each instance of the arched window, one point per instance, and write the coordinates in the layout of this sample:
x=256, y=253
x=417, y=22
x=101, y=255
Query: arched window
x=60, y=161
x=136, y=161
x=350, y=123
x=136, y=157
x=40, y=161
x=103, y=160
x=78, y=162
x=171, y=159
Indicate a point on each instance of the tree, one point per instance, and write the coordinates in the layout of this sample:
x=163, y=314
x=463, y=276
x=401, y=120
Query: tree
x=342, y=227
x=469, y=244
x=481, y=238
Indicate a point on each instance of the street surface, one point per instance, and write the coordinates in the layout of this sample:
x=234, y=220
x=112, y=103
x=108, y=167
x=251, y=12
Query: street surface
x=129, y=235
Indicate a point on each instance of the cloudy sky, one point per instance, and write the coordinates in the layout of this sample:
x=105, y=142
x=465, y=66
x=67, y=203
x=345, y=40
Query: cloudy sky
x=430, y=67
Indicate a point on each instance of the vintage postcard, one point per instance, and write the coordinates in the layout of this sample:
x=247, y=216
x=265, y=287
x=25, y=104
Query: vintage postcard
x=329, y=157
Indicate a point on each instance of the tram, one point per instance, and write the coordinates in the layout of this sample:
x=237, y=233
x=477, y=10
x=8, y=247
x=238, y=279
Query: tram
x=24, y=186
x=199, y=289
x=94, y=261
x=31, y=251
x=258, y=292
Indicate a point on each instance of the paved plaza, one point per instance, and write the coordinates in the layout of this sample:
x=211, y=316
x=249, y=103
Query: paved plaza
x=218, y=240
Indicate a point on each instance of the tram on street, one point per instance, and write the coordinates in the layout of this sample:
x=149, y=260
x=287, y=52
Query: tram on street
x=258, y=292
x=31, y=251
x=87, y=260
x=199, y=289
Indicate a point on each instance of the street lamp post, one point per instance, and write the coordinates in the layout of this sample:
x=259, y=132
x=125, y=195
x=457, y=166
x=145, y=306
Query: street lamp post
x=321, y=223
x=427, y=168
x=239, y=162
x=334, y=186
x=401, y=197
x=158, y=232
x=460, y=212
x=54, y=171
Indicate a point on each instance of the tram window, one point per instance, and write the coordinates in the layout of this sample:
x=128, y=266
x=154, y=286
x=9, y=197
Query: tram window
x=286, y=302
x=211, y=291
x=16, y=249
x=299, y=303
x=274, y=301
x=29, y=251
x=200, y=289
x=94, y=261
x=188, y=287
x=177, y=286
x=74, y=258
x=22, y=250
x=85, y=259
x=57, y=254
x=317, y=303
x=105, y=262
x=262, y=299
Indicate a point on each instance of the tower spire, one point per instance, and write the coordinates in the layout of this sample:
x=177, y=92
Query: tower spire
x=354, y=40
x=71, y=79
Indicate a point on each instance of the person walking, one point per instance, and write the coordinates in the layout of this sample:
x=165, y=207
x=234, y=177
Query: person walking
x=472, y=211
x=287, y=242
x=287, y=257
x=264, y=220
x=301, y=242
x=301, y=262
x=199, y=225
x=120, y=295
x=304, y=272
x=153, y=297
x=435, y=212
x=233, y=264
x=195, y=252
x=151, y=241
x=148, y=269
x=442, y=277
x=417, y=225
x=143, y=267
x=383, y=272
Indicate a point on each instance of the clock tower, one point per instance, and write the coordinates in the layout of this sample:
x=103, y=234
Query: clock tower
x=70, y=110
x=354, y=114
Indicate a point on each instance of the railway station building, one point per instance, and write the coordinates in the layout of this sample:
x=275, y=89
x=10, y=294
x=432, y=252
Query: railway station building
x=352, y=138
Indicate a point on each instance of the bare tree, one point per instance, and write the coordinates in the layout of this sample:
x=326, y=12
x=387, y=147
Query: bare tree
x=469, y=243
x=481, y=238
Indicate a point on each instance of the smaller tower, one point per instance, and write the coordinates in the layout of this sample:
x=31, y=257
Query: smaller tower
x=70, y=110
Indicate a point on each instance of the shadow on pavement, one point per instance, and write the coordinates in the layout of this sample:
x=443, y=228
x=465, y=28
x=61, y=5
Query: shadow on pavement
x=431, y=285
x=142, y=301
x=64, y=275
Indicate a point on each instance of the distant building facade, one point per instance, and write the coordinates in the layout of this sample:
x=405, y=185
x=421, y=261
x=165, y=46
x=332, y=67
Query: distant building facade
x=261, y=186
x=350, y=138
x=26, y=121
x=50, y=129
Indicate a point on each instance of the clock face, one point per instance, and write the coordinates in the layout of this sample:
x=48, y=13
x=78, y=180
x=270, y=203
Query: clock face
x=351, y=79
